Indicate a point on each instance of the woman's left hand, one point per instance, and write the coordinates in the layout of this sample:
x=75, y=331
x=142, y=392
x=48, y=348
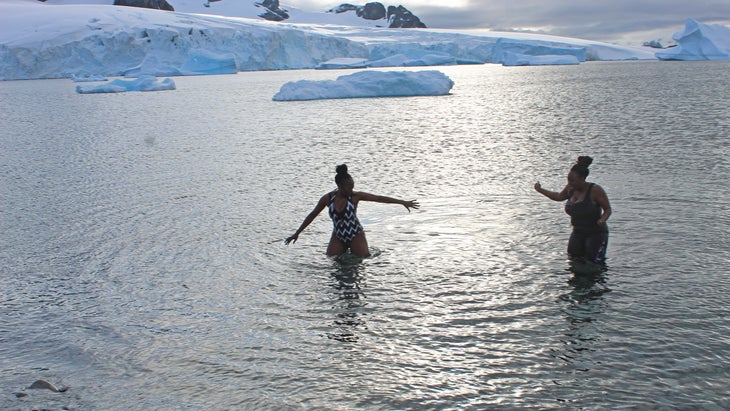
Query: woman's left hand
x=292, y=239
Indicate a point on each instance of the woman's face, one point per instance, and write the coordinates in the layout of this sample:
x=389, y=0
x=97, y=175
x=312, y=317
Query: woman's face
x=575, y=181
x=348, y=185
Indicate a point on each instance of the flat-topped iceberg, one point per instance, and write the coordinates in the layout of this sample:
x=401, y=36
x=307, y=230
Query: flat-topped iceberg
x=343, y=63
x=87, y=79
x=369, y=84
x=143, y=83
x=406, y=58
x=514, y=59
x=519, y=53
x=197, y=62
x=699, y=41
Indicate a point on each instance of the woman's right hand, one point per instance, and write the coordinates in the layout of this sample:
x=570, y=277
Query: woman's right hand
x=538, y=187
x=291, y=239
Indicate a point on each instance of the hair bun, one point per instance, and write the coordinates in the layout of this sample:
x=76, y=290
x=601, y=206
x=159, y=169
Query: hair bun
x=585, y=161
x=341, y=169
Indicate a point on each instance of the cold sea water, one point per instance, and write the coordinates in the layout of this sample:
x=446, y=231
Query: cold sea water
x=142, y=264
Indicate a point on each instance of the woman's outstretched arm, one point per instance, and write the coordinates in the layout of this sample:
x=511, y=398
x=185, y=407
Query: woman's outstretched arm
x=389, y=200
x=308, y=220
x=553, y=195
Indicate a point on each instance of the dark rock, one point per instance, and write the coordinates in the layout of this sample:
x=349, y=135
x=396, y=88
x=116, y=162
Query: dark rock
x=270, y=4
x=45, y=385
x=371, y=11
x=273, y=11
x=401, y=18
x=398, y=17
x=148, y=4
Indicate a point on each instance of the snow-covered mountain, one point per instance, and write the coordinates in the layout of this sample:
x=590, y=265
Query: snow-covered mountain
x=371, y=14
x=71, y=38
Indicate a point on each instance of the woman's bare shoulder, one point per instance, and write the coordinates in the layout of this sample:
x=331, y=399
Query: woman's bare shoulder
x=326, y=197
x=598, y=188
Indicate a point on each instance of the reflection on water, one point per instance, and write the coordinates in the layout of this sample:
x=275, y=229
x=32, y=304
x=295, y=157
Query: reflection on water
x=348, y=282
x=585, y=304
x=584, y=307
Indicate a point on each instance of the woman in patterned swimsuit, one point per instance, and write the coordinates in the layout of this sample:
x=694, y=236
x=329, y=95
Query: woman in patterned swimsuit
x=588, y=208
x=342, y=203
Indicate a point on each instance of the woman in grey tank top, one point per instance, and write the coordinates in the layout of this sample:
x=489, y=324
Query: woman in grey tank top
x=589, y=208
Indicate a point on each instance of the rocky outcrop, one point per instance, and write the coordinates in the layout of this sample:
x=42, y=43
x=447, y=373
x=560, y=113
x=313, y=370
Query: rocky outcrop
x=397, y=17
x=273, y=11
x=372, y=11
x=148, y=4
x=659, y=44
x=401, y=18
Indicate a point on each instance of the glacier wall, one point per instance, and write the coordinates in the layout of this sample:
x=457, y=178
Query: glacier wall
x=100, y=40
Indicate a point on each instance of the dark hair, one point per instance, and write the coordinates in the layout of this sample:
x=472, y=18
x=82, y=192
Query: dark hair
x=581, y=166
x=342, y=174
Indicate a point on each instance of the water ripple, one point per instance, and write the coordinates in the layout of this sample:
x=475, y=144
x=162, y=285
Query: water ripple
x=149, y=257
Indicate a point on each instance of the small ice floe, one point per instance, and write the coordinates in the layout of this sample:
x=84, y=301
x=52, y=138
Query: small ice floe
x=342, y=63
x=406, y=58
x=414, y=58
x=87, y=79
x=514, y=59
x=144, y=83
x=369, y=84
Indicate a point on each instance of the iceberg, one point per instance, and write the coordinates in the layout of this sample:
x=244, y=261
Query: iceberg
x=88, y=79
x=699, y=41
x=518, y=53
x=516, y=59
x=415, y=58
x=342, y=63
x=68, y=40
x=143, y=83
x=408, y=58
x=197, y=62
x=369, y=84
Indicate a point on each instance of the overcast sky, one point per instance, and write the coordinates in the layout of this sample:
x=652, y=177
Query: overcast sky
x=614, y=21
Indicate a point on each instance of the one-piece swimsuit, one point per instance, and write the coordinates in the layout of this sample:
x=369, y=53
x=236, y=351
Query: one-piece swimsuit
x=346, y=224
x=588, y=239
